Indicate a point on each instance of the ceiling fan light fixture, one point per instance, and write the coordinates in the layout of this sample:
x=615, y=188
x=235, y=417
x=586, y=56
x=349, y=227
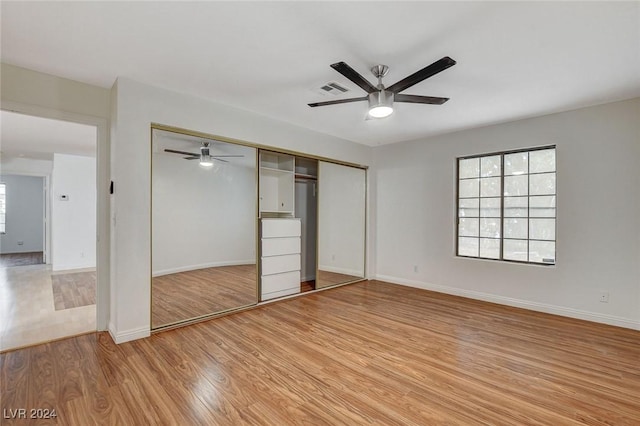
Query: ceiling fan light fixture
x=380, y=104
x=205, y=157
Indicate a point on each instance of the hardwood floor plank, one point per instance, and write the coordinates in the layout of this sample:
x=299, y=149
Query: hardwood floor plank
x=367, y=353
x=73, y=290
x=8, y=260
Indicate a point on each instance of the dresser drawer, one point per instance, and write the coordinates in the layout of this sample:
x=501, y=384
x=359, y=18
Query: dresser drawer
x=281, y=228
x=279, y=284
x=277, y=264
x=280, y=246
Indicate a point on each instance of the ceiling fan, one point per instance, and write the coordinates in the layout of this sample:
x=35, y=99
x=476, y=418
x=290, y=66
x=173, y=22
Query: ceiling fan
x=380, y=98
x=206, y=159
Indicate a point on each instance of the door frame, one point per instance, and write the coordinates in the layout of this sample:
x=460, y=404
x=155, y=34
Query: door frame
x=103, y=210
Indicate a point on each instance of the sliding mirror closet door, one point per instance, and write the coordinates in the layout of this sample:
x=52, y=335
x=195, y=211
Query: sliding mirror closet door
x=204, y=196
x=341, y=224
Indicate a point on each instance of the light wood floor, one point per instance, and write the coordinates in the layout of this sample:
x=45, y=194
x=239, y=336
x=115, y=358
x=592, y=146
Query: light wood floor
x=185, y=295
x=21, y=259
x=366, y=353
x=27, y=309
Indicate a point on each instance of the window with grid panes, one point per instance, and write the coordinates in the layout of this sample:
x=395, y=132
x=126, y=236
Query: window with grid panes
x=507, y=206
x=3, y=209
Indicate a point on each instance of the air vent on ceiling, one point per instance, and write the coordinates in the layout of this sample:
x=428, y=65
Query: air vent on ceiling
x=333, y=88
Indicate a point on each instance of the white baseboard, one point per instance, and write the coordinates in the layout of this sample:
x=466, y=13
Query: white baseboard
x=73, y=267
x=518, y=303
x=168, y=271
x=72, y=271
x=129, y=335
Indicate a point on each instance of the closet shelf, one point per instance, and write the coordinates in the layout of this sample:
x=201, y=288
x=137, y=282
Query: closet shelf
x=271, y=169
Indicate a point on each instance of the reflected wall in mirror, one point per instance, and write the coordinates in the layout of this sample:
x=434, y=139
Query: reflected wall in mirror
x=341, y=224
x=203, y=214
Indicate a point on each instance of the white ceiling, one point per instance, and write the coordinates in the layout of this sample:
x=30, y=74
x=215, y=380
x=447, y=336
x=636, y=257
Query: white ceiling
x=25, y=136
x=515, y=59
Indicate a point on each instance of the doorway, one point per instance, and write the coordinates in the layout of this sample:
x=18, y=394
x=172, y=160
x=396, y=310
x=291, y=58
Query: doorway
x=48, y=248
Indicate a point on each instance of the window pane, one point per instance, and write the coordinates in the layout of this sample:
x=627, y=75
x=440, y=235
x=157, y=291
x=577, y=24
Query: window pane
x=542, y=161
x=490, y=166
x=516, y=185
x=490, y=207
x=468, y=246
x=515, y=206
x=542, y=251
x=542, y=229
x=468, y=207
x=515, y=228
x=490, y=228
x=468, y=227
x=490, y=187
x=489, y=248
x=469, y=168
x=507, y=206
x=469, y=188
x=542, y=184
x=544, y=206
x=516, y=164
x=515, y=250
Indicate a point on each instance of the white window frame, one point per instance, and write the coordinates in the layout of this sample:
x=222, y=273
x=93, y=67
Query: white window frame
x=3, y=208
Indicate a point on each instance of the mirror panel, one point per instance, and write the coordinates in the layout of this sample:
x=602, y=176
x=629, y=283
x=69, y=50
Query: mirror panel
x=341, y=224
x=203, y=228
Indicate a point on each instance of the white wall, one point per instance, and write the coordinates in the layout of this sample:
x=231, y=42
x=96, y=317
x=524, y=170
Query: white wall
x=24, y=215
x=44, y=95
x=203, y=217
x=73, y=222
x=137, y=106
x=598, y=206
x=26, y=166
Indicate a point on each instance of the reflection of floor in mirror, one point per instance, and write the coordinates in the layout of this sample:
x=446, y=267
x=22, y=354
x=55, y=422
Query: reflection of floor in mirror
x=28, y=311
x=326, y=278
x=185, y=295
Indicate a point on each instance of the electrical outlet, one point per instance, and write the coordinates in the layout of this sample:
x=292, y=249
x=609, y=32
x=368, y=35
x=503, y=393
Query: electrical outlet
x=415, y=268
x=20, y=243
x=333, y=257
x=604, y=296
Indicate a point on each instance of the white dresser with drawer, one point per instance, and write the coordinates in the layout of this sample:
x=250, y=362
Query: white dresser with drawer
x=279, y=257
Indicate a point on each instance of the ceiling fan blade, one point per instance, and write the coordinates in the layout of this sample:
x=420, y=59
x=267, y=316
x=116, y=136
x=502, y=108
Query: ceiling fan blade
x=173, y=151
x=354, y=76
x=424, y=73
x=212, y=157
x=228, y=156
x=417, y=99
x=338, y=101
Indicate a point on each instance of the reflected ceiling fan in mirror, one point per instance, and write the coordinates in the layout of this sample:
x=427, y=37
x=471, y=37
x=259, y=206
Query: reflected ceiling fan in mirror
x=205, y=157
x=381, y=99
